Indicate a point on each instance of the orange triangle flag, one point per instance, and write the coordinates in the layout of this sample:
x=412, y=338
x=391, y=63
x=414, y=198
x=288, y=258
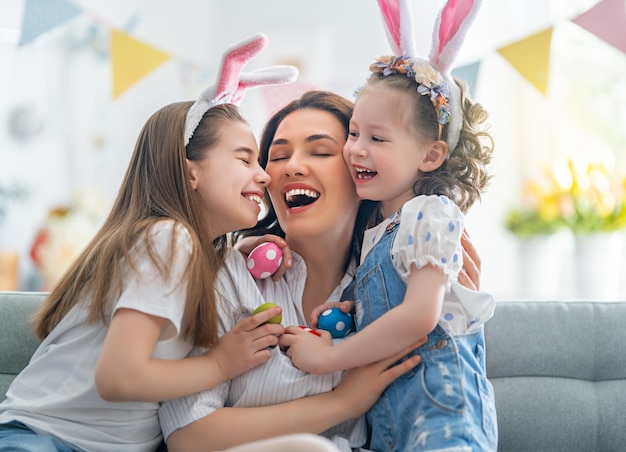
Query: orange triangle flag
x=131, y=60
x=531, y=57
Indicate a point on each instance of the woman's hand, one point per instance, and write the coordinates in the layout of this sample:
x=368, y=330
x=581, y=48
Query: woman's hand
x=246, y=244
x=469, y=276
x=247, y=344
x=362, y=386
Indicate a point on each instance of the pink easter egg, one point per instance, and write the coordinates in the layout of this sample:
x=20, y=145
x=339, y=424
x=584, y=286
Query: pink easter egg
x=264, y=260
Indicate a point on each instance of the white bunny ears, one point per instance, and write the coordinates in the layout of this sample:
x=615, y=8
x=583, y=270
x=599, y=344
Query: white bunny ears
x=451, y=27
x=232, y=82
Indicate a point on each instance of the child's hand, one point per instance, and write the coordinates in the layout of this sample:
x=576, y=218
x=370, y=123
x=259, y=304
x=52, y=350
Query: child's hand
x=307, y=351
x=346, y=306
x=247, y=344
x=246, y=244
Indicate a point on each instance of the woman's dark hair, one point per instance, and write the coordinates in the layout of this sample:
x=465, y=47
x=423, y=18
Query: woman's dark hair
x=341, y=109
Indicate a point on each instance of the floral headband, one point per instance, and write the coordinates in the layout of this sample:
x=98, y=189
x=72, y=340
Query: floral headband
x=434, y=73
x=429, y=81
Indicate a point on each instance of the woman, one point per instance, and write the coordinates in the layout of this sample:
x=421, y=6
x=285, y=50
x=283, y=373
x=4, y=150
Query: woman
x=316, y=209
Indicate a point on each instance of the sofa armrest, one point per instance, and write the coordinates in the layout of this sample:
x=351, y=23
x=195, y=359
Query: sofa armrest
x=17, y=340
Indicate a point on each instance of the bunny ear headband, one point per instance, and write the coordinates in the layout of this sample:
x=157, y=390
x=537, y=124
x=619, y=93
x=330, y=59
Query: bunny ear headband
x=433, y=74
x=232, y=82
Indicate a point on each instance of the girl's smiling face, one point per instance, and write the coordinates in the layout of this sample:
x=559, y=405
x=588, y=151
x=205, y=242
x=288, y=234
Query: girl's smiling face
x=230, y=180
x=383, y=152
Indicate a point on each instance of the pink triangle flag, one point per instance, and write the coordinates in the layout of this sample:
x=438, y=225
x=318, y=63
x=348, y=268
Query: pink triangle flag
x=276, y=97
x=606, y=20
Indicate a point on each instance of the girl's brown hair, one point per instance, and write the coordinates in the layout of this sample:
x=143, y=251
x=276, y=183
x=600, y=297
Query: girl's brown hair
x=156, y=187
x=463, y=175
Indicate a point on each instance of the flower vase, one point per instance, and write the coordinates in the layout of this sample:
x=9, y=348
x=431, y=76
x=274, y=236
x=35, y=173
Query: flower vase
x=598, y=258
x=541, y=260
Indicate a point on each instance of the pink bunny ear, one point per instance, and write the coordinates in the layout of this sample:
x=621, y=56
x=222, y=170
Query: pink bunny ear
x=233, y=62
x=451, y=26
x=232, y=83
x=398, y=20
x=390, y=10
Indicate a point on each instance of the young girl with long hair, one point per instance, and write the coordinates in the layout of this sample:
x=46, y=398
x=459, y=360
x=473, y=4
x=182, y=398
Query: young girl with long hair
x=117, y=328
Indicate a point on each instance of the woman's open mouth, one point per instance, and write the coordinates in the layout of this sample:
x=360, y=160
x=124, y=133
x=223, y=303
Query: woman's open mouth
x=300, y=197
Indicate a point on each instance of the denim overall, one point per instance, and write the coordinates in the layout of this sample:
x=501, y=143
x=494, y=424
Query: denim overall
x=446, y=403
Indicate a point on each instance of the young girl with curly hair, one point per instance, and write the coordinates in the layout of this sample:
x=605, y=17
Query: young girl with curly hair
x=419, y=146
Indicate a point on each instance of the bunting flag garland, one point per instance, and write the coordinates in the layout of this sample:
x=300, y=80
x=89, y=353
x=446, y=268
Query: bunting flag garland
x=469, y=74
x=531, y=57
x=131, y=60
x=606, y=20
x=41, y=16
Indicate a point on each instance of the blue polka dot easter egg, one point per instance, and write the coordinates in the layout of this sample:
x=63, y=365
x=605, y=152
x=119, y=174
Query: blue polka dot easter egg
x=336, y=322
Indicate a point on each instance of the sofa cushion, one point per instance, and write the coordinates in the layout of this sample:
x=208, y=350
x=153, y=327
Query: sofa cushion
x=559, y=374
x=17, y=340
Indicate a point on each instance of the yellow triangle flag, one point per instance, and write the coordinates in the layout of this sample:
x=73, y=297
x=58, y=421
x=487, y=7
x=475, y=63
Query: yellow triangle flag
x=131, y=60
x=531, y=57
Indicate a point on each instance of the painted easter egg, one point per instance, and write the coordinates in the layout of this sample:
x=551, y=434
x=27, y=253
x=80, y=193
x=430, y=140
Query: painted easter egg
x=264, y=260
x=336, y=322
x=265, y=307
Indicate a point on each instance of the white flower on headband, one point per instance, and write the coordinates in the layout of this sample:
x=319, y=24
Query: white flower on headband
x=427, y=75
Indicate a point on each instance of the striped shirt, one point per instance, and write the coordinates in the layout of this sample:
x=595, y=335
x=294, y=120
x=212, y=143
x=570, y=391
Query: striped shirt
x=277, y=380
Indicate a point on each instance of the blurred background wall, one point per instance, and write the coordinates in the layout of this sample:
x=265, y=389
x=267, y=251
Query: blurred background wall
x=79, y=78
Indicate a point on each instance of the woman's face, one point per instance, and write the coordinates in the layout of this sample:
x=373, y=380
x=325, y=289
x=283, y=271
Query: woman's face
x=311, y=188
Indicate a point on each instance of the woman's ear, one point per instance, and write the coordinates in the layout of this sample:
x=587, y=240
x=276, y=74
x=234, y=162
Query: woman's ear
x=434, y=156
x=192, y=169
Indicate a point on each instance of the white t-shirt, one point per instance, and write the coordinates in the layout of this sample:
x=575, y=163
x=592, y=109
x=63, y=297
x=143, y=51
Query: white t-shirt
x=277, y=380
x=430, y=233
x=56, y=392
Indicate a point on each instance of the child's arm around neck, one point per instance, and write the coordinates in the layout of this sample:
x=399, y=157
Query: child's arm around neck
x=402, y=326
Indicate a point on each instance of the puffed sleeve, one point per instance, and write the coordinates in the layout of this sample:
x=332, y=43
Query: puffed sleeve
x=430, y=233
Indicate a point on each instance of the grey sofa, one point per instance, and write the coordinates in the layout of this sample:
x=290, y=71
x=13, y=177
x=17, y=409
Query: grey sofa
x=558, y=369
x=17, y=340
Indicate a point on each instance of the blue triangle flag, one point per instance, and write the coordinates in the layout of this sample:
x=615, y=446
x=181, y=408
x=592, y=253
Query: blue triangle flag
x=469, y=74
x=41, y=16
